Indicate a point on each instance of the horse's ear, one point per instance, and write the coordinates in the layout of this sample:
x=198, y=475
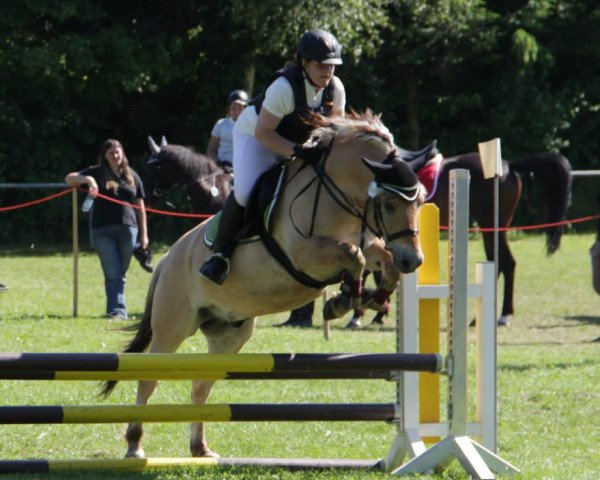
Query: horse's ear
x=154, y=148
x=163, y=141
x=376, y=167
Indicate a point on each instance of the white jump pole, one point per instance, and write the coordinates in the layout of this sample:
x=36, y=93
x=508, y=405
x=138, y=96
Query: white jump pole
x=478, y=461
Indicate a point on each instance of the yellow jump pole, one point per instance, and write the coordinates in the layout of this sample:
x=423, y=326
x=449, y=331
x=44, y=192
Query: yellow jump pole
x=429, y=314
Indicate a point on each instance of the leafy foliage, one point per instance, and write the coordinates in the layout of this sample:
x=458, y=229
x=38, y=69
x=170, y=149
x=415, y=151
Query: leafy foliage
x=75, y=72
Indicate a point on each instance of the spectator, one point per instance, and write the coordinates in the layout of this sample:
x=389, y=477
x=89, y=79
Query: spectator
x=114, y=226
x=220, y=145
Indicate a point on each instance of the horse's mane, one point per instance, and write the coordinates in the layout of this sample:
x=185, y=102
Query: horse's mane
x=190, y=162
x=366, y=125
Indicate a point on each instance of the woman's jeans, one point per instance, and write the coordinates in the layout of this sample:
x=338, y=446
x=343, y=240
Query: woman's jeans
x=114, y=245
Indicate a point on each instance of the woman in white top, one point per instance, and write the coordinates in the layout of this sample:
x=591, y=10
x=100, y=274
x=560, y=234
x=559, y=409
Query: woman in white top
x=220, y=145
x=272, y=127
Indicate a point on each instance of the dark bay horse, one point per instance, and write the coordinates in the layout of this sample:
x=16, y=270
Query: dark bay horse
x=357, y=208
x=206, y=183
x=550, y=172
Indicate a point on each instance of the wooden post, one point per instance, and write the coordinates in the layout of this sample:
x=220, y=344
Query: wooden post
x=75, y=215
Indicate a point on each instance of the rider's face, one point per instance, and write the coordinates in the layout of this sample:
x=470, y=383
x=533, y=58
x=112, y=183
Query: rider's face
x=320, y=73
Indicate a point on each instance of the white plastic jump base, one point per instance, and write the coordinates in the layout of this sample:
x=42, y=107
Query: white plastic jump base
x=478, y=461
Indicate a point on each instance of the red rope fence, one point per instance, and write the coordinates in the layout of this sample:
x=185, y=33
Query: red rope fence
x=200, y=215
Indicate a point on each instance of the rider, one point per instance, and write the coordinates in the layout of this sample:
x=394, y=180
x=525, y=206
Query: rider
x=272, y=127
x=220, y=145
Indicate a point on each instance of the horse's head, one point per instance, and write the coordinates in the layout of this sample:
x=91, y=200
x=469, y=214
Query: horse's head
x=397, y=195
x=158, y=177
x=394, y=191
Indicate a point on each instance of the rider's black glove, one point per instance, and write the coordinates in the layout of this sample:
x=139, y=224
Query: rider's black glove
x=308, y=154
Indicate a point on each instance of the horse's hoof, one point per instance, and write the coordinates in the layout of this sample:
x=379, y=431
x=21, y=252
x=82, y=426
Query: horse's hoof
x=205, y=453
x=504, y=321
x=337, y=306
x=354, y=324
x=138, y=453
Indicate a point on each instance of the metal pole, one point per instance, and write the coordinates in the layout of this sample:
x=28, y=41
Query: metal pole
x=75, y=216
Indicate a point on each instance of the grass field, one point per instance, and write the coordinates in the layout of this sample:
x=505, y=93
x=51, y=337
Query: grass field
x=548, y=378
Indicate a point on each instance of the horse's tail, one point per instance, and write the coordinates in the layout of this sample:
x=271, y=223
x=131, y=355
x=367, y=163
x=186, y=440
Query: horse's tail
x=139, y=343
x=553, y=173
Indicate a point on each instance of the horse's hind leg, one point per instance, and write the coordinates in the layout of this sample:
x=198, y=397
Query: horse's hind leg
x=165, y=339
x=222, y=337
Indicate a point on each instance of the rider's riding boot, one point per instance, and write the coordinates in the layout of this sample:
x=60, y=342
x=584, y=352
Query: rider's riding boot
x=216, y=267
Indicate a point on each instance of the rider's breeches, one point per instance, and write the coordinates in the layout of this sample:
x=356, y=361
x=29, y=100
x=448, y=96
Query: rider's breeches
x=250, y=160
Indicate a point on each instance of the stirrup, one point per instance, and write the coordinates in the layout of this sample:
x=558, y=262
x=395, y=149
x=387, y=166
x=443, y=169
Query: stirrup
x=216, y=268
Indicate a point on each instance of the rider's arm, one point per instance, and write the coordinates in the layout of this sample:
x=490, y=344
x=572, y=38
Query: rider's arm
x=267, y=135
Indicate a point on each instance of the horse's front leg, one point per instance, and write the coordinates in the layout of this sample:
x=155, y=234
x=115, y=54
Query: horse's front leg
x=378, y=258
x=323, y=257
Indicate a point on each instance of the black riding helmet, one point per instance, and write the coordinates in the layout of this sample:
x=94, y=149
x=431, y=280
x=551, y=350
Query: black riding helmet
x=320, y=46
x=239, y=96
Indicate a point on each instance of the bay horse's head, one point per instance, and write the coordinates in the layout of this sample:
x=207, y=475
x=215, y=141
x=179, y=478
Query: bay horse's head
x=157, y=178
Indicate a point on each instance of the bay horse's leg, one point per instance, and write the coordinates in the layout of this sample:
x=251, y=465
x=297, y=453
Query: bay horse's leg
x=506, y=267
x=167, y=336
x=222, y=337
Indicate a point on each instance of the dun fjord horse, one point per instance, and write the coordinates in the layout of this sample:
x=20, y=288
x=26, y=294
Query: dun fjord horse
x=357, y=208
x=549, y=171
x=206, y=184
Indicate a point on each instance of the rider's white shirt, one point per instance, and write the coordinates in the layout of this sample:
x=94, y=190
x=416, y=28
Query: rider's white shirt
x=279, y=101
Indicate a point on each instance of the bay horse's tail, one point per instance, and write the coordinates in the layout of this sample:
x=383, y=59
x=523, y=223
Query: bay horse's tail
x=553, y=173
x=143, y=336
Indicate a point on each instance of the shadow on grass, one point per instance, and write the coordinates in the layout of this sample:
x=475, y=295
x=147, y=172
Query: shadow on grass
x=511, y=367
x=586, y=319
x=101, y=318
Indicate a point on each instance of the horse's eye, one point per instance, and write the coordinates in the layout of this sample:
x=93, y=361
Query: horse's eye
x=389, y=207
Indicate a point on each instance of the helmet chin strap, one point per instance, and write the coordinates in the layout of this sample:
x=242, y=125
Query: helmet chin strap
x=309, y=79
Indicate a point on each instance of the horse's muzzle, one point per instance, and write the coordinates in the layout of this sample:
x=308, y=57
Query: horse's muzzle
x=406, y=259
